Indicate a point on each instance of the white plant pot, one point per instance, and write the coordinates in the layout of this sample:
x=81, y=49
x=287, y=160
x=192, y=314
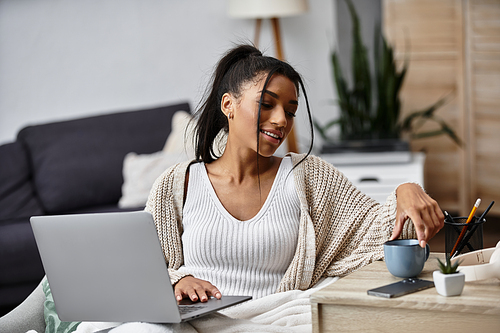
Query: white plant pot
x=449, y=284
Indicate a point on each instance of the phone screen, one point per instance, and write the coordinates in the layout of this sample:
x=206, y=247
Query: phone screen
x=401, y=288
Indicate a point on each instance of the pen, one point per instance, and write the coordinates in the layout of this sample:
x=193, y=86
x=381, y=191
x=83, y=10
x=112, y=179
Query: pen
x=486, y=211
x=447, y=217
x=464, y=229
x=471, y=232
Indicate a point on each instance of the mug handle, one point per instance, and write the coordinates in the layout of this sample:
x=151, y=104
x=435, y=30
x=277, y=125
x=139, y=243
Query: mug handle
x=427, y=251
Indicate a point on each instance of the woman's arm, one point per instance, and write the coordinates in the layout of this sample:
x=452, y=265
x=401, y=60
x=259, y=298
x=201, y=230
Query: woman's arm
x=350, y=227
x=165, y=203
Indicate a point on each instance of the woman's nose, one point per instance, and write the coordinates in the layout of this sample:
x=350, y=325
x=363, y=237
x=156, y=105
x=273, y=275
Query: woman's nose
x=278, y=116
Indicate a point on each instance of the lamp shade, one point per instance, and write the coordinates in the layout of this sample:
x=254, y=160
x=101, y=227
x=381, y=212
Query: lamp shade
x=266, y=8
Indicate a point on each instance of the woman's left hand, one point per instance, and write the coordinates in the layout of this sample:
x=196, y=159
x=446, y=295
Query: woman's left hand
x=424, y=211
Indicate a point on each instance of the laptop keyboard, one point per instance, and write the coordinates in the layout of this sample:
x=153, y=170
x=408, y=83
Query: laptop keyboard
x=184, y=309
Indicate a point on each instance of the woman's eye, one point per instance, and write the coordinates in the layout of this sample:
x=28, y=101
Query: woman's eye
x=266, y=106
x=290, y=114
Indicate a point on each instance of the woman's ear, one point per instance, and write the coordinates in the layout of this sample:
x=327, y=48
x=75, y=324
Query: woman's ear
x=227, y=104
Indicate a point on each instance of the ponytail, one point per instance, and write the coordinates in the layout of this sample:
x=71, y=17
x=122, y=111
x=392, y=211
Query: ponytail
x=211, y=119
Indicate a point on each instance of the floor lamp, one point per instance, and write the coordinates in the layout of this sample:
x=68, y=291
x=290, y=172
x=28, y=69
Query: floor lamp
x=273, y=10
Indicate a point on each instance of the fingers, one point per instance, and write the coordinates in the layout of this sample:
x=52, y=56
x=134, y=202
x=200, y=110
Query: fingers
x=398, y=227
x=216, y=293
x=424, y=212
x=420, y=228
x=437, y=218
x=195, y=289
x=432, y=220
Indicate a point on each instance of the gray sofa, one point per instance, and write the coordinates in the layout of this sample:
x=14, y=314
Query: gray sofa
x=65, y=167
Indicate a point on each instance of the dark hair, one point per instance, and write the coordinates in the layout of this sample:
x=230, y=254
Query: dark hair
x=240, y=65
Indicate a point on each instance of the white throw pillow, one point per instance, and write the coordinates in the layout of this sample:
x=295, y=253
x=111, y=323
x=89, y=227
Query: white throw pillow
x=141, y=171
x=180, y=139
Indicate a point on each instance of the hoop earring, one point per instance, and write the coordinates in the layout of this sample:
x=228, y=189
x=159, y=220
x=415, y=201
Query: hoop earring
x=230, y=115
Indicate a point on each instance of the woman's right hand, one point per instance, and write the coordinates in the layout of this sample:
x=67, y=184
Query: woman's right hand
x=195, y=289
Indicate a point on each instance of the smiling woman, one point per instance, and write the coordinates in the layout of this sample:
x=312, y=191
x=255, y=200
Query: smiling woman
x=246, y=222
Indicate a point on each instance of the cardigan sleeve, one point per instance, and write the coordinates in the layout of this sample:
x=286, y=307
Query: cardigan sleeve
x=350, y=227
x=165, y=204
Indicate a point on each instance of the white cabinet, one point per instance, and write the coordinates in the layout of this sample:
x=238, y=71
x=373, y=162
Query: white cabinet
x=379, y=179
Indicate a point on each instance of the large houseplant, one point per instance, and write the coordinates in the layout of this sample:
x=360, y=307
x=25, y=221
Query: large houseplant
x=371, y=113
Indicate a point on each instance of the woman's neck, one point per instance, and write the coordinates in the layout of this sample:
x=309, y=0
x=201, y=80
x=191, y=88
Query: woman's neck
x=241, y=165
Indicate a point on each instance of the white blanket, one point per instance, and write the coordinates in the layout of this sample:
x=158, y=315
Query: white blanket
x=282, y=312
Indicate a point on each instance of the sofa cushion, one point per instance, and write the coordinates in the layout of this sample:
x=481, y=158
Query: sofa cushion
x=19, y=257
x=78, y=163
x=17, y=197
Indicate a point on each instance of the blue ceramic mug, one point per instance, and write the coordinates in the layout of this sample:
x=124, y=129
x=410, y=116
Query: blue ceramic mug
x=405, y=258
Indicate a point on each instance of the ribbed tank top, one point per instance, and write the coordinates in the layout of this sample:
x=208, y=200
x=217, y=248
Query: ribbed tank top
x=240, y=257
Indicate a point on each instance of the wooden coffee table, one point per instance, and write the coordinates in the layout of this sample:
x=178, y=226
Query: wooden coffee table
x=344, y=306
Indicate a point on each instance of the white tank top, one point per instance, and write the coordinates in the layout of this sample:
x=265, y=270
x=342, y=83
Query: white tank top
x=240, y=257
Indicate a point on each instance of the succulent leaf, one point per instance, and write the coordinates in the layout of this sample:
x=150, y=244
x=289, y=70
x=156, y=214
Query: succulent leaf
x=448, y=267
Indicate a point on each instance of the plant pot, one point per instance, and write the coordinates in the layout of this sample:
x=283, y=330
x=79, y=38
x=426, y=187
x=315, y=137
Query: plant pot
x=366, y=146
x=449, y=284
x=368, y=152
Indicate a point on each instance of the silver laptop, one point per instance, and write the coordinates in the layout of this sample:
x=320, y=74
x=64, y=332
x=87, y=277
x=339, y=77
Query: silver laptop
x=109, y=267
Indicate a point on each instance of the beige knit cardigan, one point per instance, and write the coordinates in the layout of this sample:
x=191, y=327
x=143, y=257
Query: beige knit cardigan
x=340, y=231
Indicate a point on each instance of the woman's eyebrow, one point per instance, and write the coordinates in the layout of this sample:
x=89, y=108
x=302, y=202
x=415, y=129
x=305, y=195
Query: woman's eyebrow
x=292, y=101
x=269, y=93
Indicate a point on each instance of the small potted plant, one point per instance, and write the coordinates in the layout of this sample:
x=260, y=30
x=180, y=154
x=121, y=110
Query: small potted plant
x=449, y=281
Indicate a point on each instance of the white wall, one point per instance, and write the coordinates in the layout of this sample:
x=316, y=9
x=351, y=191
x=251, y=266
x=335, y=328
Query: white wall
x=61, y=59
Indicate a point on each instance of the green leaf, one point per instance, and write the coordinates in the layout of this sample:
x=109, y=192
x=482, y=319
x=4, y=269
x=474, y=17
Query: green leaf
x=320, y=130
x=425, y=113
x=448, y=267
x=417, y=119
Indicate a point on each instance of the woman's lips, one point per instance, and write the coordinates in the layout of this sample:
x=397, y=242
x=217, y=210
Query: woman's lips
x=273, y=136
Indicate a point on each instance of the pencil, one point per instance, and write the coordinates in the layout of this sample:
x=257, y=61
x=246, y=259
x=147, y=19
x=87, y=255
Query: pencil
x=464, y=229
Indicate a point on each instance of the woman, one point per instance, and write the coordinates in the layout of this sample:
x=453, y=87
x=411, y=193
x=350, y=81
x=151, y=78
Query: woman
x=248, y=222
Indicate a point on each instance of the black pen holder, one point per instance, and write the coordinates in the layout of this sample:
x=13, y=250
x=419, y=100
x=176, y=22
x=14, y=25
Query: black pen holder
x=472, y=239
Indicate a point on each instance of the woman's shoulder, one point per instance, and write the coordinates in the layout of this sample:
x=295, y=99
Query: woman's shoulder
x=170, y=183
x=311, y=170
x=311, y=162
x=175, y=171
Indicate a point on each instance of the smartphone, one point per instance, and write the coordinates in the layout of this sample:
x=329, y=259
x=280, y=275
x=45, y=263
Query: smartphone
x=403, y=287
